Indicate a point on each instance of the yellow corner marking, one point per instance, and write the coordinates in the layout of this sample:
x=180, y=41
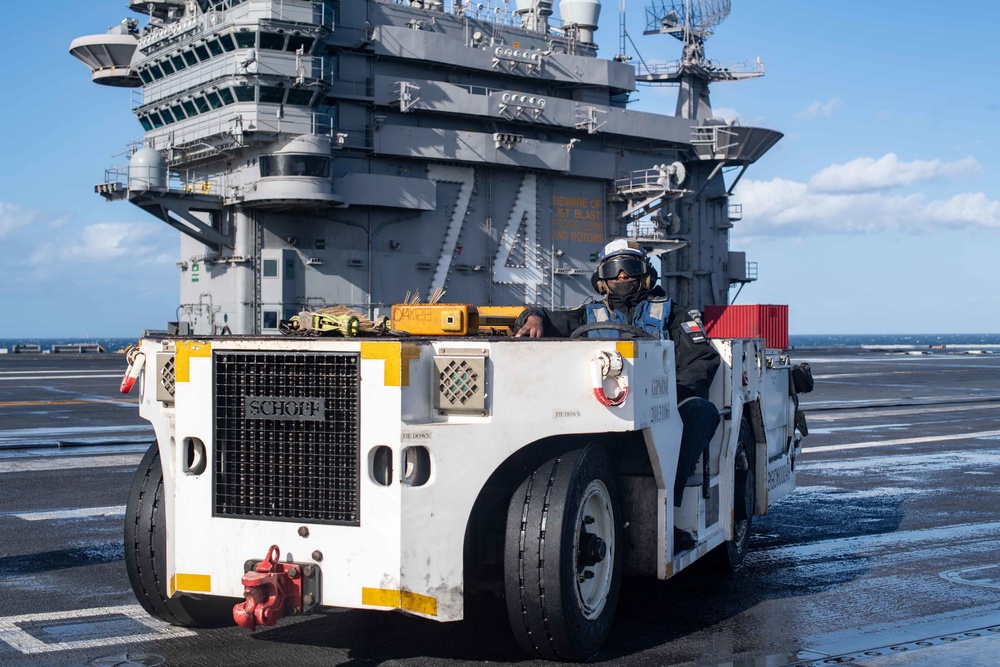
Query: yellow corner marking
x=408, y=600
x=420, y=604
x=626, y=348
x=192, y=583
x=380, y=597
x=184, y=351
x=397, y=360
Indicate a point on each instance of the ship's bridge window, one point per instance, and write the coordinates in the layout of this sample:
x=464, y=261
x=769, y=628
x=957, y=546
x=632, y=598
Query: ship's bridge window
x=215, y=47
x=218, y=4
x=146, y=125
x=156, y=72
x=178, y=62
x=190, y=58
x=246, y=39
x=201, y=52
x=272, y=40
x=202, y=104
x=244, y=93
x=146, y=77
x=300, y=96
x=227, y=42
x=317, y=166
x=227, y=96
x=178, y=112
x=167, y=67
x=214, y=100
x=189, y=108
x=271, y=95
x=295, y=42
x=156, y=120
x=167, y=117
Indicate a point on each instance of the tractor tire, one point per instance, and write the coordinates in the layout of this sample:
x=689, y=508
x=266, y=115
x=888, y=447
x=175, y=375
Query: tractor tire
x=146, y=556
x=563, y=556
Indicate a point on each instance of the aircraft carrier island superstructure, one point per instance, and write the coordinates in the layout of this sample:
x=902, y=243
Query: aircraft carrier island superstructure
x=348, y=153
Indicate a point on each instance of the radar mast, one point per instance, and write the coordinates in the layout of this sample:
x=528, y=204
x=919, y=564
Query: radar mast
x=692, y=22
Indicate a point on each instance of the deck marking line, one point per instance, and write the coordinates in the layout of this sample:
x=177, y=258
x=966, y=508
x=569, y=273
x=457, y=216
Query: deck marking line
x=61, y=377
x=71, y=462
x=916, y=410
x=114, y=511
x=24, y=404
x=38, y=373
x=16, y=637
x=904, y=441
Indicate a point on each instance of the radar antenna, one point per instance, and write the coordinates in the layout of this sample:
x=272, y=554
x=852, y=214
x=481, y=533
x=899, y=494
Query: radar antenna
x=692, y=22
x=687, y=20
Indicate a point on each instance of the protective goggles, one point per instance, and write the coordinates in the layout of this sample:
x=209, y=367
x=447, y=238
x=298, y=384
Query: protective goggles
x=632, y=265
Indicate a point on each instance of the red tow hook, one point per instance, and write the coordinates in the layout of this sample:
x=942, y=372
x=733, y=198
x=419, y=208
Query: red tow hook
x=136, y=360
x=273, y=590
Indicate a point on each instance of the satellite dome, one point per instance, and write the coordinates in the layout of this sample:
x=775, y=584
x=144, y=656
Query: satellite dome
x=584, y=14
x=147, y=170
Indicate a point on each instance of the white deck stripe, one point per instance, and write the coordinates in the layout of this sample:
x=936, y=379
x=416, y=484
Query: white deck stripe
x=70, y=463
x=61, y=377
x=115, y=511
x=38, y=373
x=12, y=634
x=903, y=441
x=915, y=410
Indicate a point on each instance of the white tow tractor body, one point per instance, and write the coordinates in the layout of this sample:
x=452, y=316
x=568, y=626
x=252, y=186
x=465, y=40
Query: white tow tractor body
x=405, y=473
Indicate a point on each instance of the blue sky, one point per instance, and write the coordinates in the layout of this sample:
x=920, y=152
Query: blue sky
x=878, y=212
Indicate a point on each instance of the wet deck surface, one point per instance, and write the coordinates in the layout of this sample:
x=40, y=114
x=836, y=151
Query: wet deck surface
x=885, y=555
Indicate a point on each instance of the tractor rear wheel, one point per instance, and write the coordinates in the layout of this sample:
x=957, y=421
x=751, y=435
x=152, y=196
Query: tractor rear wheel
x=732, y=554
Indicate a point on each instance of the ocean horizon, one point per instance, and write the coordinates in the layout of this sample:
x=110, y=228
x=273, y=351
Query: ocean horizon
x=795, y=341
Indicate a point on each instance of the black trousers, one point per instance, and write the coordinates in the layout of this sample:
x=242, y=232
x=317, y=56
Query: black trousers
x=700, y=418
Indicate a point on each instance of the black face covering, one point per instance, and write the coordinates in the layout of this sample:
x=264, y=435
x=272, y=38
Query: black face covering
x=626, y=304
x=623, y=288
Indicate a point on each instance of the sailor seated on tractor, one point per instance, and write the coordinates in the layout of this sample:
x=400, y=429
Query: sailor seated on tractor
x=626, y=281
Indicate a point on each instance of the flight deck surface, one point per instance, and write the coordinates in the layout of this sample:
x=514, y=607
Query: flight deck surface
x=885, y=554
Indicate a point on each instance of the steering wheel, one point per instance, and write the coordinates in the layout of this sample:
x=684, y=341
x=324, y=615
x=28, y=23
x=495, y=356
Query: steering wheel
x=611, y=326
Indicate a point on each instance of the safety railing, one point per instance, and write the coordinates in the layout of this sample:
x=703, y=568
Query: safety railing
x=642, y=180
x=192, y=182
x=264, y=63
x=218, y=12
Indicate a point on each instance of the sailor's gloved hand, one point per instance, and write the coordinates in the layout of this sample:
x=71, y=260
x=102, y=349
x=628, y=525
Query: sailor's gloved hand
x=532, y=328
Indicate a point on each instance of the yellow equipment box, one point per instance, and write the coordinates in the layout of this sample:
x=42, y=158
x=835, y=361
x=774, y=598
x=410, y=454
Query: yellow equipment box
x=436, y=319
x=498, y=318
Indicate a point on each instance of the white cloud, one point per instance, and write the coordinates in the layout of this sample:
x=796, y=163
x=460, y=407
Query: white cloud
x=13, y=217
x=106, y=242
x=38, y=245
x=819, y=109
x=787, y=208
x=866, y=174
x=726, y=114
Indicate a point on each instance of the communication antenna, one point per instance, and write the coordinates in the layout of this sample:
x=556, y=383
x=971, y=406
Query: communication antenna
x=692, y=22
x=687, y=20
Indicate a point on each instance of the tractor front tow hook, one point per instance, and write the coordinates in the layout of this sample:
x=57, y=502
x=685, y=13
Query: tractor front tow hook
x=273, y=590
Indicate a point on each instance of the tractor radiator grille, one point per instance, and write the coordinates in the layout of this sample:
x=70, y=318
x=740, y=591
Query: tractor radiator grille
x=287, y=437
